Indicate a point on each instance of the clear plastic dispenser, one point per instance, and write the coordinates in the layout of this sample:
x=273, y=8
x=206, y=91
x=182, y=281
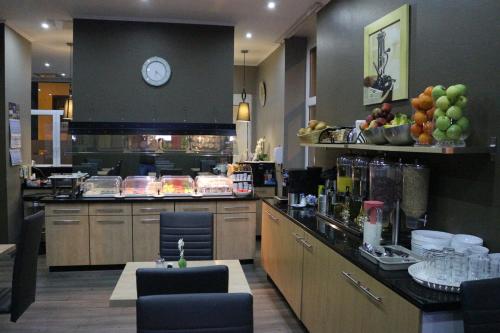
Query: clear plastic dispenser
x=415, y=194
x=140, y=186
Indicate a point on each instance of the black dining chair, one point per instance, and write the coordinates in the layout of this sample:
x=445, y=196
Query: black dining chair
x=481, y=305
x=190, y=280
x=207, y=313
x=196, y=228
x=16, y=300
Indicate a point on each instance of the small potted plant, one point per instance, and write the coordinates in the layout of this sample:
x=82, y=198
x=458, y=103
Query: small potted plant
x=182, y=262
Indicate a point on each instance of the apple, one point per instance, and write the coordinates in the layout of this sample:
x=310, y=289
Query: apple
x=454, y=132
x=386, y=107
x=373, y=124
x=443, y=123
x=390, y=116
x=443, y=103
x=438, y=91
x=376, y=112
x=381, y=121
x=439, y=113
x=464, y=123
x=369, y=118
x=461, y=102
x=454, y=112
x=462, y=88
x=452, y=93
x=439, y=135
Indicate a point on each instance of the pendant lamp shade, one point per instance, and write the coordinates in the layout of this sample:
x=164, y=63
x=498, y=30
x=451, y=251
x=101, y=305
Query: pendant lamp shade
x=68, y=109
x=243, y=112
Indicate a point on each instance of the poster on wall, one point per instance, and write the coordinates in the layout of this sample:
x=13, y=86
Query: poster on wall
x=15, y=157
x=15, y=133
x=386, y=44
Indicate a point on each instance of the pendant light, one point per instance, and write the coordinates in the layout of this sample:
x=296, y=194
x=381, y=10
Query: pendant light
x=243, y=107
x=68, y=105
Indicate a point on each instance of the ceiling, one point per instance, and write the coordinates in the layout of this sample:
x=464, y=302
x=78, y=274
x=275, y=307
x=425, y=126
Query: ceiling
x=268, y=27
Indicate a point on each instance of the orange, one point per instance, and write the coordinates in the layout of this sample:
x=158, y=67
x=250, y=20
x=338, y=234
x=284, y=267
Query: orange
x=416, y=130
x=415, y=102
x=420, y=117
x=426, y=102
x=430, y=113
x=428, y=91
x=428, y=127
x=425, y=139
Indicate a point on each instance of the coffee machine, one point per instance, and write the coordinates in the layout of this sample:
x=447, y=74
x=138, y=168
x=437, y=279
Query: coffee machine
x=303, y=181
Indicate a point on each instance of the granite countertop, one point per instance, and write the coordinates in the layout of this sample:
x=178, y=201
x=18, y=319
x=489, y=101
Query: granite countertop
x=80, y=199
x=345, y=244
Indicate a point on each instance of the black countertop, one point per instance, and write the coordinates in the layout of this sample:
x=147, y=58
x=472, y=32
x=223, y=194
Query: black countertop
x=427, y=300
x=44, y=198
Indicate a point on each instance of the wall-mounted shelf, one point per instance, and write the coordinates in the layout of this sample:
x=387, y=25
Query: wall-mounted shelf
x=404, y=149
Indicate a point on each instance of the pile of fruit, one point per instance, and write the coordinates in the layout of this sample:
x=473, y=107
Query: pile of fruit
x=451, y=125
x=379, y=117
x=423, y=126
x=178, y=186
x=313, y=125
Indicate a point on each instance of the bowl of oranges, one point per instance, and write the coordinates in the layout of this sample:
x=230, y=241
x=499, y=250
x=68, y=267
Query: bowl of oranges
x=422, y=119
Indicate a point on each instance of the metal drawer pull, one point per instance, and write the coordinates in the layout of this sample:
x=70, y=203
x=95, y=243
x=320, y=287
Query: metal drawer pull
x=236, y=219
x=237, y=207
x=272, y=216
x=196, y=209
x=109, y=210
x=59, y=222
x=306, y=244
x=110, y=222
x=298, y=238
x=66, y=210
x=364, y=289
x=150, y=220
x=150, y=209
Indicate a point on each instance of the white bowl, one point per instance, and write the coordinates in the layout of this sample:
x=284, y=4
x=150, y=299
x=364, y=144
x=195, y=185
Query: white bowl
x=422, y=240
x=462, y=242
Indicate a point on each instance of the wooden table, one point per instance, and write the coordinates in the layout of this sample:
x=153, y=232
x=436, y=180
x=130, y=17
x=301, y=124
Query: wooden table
x=7, y=248
x=125, y=293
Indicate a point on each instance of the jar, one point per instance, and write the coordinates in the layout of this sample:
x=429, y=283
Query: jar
x=385, y=186
x=415, y=192
x=344, y=173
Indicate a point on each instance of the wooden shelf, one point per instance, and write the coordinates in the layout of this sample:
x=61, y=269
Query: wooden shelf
x=403, y=149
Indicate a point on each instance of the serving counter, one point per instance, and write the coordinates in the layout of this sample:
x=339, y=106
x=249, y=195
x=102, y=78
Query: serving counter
x=110, y=231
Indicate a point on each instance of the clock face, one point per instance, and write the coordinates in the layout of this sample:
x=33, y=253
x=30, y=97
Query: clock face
x=156, y=71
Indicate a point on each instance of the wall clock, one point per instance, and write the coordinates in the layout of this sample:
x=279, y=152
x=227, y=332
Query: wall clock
x=262, y=93
x=156, y=71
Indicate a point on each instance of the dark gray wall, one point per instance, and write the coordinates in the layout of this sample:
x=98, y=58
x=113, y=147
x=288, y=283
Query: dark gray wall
x=15, y=86
x=251, y=84
x=108, y=85
x=451, y=41
x=295, y=96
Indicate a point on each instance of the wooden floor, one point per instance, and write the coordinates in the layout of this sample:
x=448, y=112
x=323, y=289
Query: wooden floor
x=74, y=302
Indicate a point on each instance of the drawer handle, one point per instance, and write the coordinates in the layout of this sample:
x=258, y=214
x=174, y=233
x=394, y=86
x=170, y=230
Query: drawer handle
x=306, y=244
x=109, y=210
x=298, y=238
x=237, y=207
x=236, y=219
x=150, y=221
x=272, y=216
x=60, y=222
x=150, y=209
x=364, y=289
x=202, y=209
x=66, y=210
x=110, y=222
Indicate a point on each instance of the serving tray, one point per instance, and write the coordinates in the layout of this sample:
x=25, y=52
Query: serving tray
x=419, y=273
x=392, y=263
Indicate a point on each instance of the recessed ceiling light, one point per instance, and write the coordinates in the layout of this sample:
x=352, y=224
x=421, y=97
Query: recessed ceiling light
x=45, y=25
x=46, y=64
x=271, y=5
x=50, y=94
x=248, y=35
x=63, y=74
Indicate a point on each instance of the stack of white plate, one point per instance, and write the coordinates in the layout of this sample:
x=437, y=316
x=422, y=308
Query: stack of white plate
x=422, y=240
x=461, y=242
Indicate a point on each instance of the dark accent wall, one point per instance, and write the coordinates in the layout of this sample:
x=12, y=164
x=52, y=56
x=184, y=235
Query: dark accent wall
x=450, y=42
x=4, y=227
x=108, y=85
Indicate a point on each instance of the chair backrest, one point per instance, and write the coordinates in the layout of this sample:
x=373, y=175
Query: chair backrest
x=195, y=228
x=481, y=305
x=206, y=279
x=207, y=313
x=25, y=265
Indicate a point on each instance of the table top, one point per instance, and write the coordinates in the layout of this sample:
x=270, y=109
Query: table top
x=7, y=248
x=125, y=292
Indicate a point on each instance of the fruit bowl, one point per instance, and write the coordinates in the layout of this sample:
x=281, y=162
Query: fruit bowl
x=375, y=136
x=398, y=135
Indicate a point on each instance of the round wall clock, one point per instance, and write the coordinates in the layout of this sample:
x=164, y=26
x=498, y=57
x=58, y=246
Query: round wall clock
x=262, y=93
x=156, y=71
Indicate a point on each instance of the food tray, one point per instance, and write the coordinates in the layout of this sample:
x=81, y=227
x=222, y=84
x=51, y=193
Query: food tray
x=419, y=273
x=394, y=263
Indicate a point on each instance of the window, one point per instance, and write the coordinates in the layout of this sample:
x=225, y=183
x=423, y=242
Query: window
x=50, y=140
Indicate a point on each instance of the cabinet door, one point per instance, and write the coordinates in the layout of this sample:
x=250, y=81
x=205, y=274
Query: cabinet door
x=106, y=209
x=318, y=287
x=110, y=240
x=152, y=208
x=67, y=209
x=235, y=236
x=233, y=207
x=67, y=240
x=266, y=244
x=146, y=237
x=210, y=207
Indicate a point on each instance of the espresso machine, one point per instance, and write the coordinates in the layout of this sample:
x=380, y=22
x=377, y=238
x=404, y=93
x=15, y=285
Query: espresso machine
x=303, y=181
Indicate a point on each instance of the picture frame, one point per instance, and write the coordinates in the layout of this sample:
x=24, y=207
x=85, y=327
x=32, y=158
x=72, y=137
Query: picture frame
x=386, y=58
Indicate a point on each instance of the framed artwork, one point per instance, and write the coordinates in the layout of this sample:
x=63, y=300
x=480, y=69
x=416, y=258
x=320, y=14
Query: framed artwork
x=386, y=49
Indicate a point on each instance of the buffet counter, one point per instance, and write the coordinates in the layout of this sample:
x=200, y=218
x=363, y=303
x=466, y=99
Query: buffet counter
x=114, y=231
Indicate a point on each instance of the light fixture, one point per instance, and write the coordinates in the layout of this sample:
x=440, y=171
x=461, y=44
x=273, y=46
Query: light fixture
x=46, y=64
x=243, y=114
x=271, y=5
x=68, y=105
x=248, y=35
x=45, y=25
x=63, y=74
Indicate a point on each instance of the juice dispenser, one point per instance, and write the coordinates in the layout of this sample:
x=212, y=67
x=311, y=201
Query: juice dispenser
x=344, y=173
x=415, y=194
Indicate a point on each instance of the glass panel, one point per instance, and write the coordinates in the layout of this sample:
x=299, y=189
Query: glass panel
x=66, y=143
x=41, y=139
x=312, y=112
x=312, y=72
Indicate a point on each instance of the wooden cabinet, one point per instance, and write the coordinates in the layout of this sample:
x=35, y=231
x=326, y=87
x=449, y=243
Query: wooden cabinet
x=110, y=240
x=210, y=207
x=67, y=240
x=270, y=241
x=231, y=207
x=235, y=236
x=146, y=237
x=67, y=209
x=262, y=192
x=152, y=208
x=105, y=209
